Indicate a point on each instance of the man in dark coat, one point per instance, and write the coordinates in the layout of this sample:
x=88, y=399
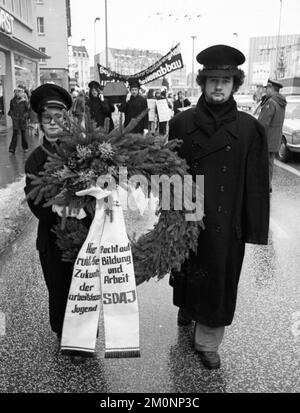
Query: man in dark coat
x=99, y=107
x=57, y=274
x=272, y=117
x=134, y=107
x=230, y=149
x=19, y=112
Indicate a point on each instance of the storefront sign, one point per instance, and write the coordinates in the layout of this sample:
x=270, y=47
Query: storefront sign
x=6, y=22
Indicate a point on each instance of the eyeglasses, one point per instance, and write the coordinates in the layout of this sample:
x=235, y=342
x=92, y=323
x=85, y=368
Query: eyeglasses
x=47, y=118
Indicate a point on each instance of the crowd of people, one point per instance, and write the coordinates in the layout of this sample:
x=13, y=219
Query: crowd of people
x=135, y=103
x=25, y=120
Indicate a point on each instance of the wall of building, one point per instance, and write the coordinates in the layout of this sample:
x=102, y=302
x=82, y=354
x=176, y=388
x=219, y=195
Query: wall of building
x=18, y=51
x=79, y=66
x=270, y=56
x=53, y=41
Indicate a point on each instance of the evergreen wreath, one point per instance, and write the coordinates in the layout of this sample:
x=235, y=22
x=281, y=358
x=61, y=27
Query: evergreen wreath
x=86, y=153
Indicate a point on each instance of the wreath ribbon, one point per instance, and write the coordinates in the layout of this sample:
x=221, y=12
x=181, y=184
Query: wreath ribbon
x=103, y=271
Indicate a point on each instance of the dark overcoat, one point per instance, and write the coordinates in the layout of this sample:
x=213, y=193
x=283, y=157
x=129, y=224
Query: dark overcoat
x=234, y=162
x=272, y=117
x=57, y=274
x=100, y=110
x=19, y=112
x=132, y=109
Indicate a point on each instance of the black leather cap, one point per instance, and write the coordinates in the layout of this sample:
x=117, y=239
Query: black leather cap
x=49, y=95
x=220, y=60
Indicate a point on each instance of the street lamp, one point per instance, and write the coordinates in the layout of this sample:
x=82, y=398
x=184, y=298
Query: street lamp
x=106, y=36
x=236, y=37
x=193, y=65
x=97, y=19
x=278, y=41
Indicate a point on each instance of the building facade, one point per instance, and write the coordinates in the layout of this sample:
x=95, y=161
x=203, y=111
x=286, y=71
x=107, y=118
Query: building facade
x=19, y=54
x=53, y=23
x=273, y=56
x=79, y=67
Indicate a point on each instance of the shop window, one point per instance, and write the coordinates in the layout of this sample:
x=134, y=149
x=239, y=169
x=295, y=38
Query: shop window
x=40, y=25
x=25, y=72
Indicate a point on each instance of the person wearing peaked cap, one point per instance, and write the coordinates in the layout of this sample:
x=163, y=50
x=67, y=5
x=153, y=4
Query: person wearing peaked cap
x=274, y=83
x=99, y=107
x=49, y=100
x=134, y=107
x=272, y=116
x=229, y=148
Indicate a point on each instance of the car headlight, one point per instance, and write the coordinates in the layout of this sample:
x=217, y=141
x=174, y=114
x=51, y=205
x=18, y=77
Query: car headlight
x=296, y=137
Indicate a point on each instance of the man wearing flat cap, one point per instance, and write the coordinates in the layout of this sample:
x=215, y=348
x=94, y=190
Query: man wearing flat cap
x=49, y=101
x=136, y=105
x=272, y=117
x=229, y=148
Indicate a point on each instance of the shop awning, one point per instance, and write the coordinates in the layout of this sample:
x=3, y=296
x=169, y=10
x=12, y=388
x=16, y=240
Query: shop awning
x=18, y=46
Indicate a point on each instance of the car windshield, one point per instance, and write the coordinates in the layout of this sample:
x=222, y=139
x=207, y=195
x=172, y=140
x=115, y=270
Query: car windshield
x=292, y=110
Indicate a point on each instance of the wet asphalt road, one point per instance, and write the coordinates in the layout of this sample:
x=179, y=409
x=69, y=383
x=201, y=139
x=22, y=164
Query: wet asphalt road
x=260, y=351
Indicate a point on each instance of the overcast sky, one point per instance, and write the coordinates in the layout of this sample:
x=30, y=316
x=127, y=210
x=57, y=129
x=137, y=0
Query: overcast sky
x=136, y=24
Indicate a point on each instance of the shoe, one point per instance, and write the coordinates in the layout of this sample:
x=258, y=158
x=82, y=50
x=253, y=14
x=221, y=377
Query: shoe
x=210, y=359
x=77, y=360
x=182, y=318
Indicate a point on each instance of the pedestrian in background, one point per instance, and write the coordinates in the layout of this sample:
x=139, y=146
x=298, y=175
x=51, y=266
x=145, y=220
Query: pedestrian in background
x=99, y=107
x=272, y=117
x=162, y=125
x=180, y=103
x=229, y=148
x=19, y=112
x=78, y=108
x=136, y=105
x=57, y=273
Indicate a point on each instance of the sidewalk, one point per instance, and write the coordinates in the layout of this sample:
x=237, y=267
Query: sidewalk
x=14, y=212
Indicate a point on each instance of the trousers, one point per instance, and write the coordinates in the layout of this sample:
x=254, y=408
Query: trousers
x=14, y=140
x=208, y=338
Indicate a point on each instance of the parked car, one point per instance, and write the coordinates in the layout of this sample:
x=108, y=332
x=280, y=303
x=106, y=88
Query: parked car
x=291, y=129
x=244, y=102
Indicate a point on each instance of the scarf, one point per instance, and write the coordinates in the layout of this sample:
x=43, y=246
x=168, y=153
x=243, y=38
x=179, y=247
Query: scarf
x=211, y=118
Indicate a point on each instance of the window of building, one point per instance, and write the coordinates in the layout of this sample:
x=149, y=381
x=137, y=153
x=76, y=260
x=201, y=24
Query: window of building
x=40, y=25
x=43, y=50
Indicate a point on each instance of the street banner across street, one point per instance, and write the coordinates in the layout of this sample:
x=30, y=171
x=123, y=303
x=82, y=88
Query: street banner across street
x=167, y=64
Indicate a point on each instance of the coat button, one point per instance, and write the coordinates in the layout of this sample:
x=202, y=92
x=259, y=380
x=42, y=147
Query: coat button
x=228, y=148
x=218, y=229
x=222, y=188
x=224, y=169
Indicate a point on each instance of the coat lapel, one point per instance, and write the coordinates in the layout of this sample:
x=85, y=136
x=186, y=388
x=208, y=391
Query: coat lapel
x=204, y=146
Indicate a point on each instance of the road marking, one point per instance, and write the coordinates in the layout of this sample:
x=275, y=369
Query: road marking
x=287, y=167
x=279, y=231
x=2, y=324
